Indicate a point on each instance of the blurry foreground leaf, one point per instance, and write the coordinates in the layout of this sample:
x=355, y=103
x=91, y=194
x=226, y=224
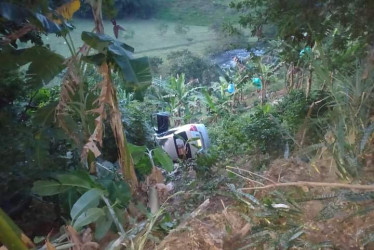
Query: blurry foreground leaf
x=10, y=234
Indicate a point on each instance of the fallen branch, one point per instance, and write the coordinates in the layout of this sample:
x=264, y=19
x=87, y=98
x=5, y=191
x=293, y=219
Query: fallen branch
x=114, y=216
x=246, y=178
x=194, y=214
x=252, y=173
x=314, y=184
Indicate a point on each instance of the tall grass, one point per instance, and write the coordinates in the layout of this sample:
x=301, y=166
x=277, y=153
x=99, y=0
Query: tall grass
x=347, y=126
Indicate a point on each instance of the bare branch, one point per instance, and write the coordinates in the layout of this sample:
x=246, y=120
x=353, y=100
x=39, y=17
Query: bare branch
x=315, y=184
x=252, y=173
x=248, y=179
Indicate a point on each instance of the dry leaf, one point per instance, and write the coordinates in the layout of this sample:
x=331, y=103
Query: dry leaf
x=155, y=177
x=49, y=245
x=27, y=241
x=87, y=235
x=74, y=237
x=90, y=246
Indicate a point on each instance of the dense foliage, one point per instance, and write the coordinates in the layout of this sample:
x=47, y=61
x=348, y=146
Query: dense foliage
x=76, y=132
x=192, y=66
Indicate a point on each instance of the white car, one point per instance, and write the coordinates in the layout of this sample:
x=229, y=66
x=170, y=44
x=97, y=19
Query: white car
x=182, y=142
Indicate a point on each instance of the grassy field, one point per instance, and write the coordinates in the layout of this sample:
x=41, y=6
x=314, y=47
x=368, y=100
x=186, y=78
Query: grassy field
x=158, y=36
x=146, y=39
x=195, y=15
x=196, y=12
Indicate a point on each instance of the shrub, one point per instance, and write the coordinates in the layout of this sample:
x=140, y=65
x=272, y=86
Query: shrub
x=181, y=29
x=293, y=110
x=192, y=66
x=227, y=135
x=136, y=122
x=155, y=63
x=227, y=36
x=263, y=132
x=162, y=28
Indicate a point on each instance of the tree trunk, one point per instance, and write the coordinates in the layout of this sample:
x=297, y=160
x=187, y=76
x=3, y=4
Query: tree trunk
x=292, y=77
x=309, y=83
x=331, y=79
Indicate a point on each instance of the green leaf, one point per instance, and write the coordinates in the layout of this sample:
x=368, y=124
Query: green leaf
x=137, y=152
x=136, y=149
x=103, y=224
x=209, y=100
x=142, y=72
x=47, y=188
x=119, y=191
x=45, y=115
x=18, y=14
x=88, y=200
x=96, y=59
x=136, y=74
x=143, y=166
x=163, y=158
x=10, y=234
x=123, y=66
x=14, y=12
x=101, y=42
x=48, y=25
x=78, y=179
x=44, y=64
x=89, y=216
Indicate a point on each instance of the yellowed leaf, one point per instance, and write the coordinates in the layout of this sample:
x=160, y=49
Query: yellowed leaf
x=27, y=241
x=67, y=10
x=49, y=245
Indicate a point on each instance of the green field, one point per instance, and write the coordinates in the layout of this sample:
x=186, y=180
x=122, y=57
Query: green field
x=197, y=16
x=196, y=12
x=146, y=38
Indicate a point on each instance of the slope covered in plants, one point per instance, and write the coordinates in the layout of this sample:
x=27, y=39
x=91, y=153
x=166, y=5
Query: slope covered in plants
x=290, y=164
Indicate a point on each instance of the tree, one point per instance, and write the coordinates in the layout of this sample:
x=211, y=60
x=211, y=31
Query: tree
x=309, y=21
x=337, y=29
x=75, y=114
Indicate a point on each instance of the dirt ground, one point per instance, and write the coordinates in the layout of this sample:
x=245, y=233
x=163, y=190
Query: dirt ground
x=217, y=225
x=329, y=218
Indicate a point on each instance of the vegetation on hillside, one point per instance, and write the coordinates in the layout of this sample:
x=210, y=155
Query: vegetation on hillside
x=292, y=129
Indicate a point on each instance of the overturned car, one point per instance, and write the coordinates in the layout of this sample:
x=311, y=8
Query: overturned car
x=182, y=142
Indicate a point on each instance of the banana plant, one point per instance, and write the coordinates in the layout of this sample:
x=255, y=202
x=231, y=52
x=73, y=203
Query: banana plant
x=108, y=55
x=145, y=160
x=100, y=200
x=177, y=96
